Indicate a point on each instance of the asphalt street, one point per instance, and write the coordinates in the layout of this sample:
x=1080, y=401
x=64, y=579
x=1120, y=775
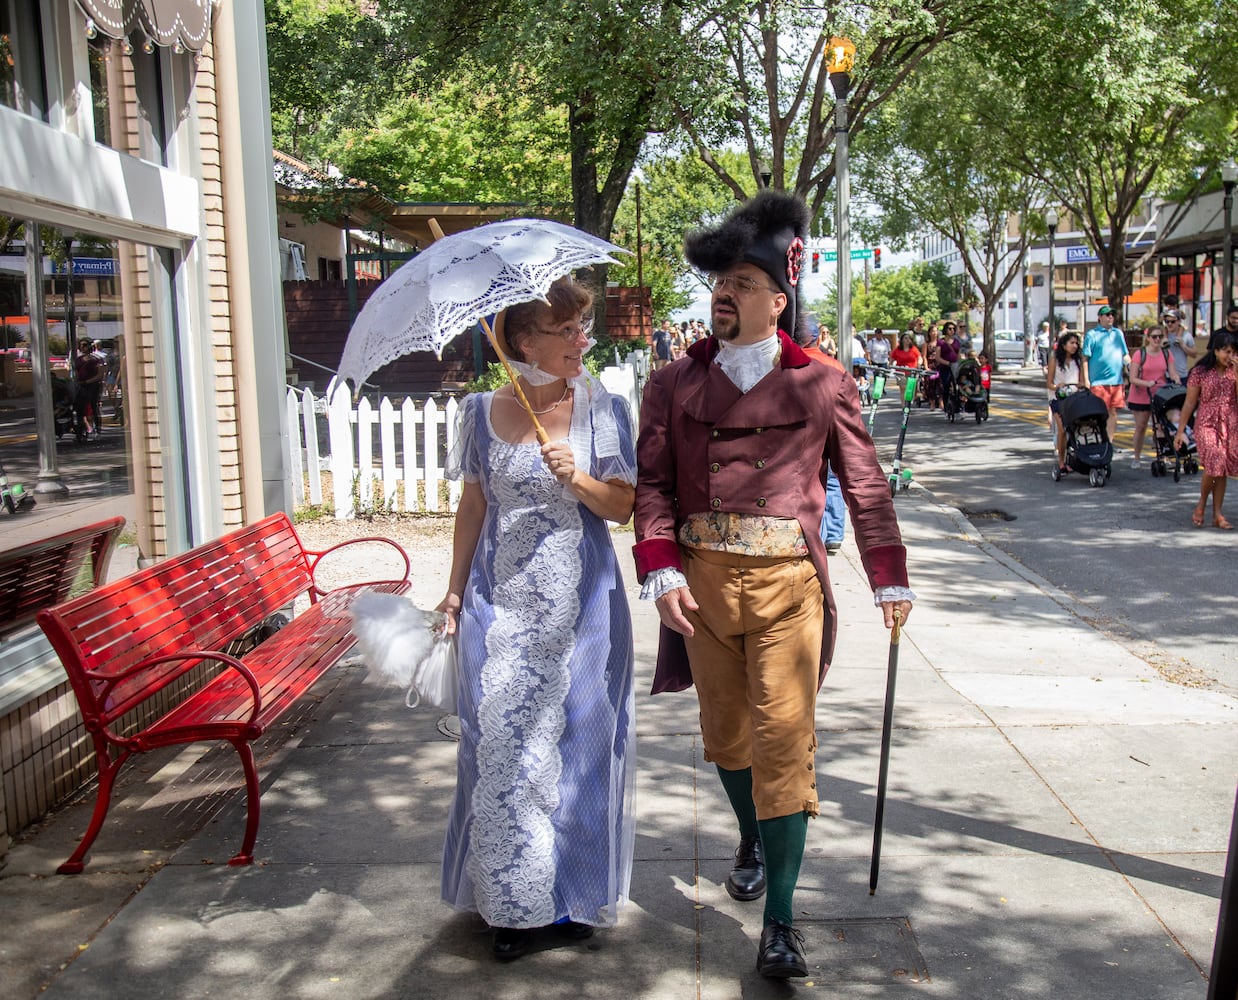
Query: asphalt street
x=1127, y=551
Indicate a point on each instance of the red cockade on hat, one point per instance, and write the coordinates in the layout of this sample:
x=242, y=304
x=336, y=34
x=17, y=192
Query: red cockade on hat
x=795, y=261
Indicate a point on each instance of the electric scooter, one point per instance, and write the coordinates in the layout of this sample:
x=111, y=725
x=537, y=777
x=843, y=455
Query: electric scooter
x=14, y=497
x=876, y=390
x=900, y=478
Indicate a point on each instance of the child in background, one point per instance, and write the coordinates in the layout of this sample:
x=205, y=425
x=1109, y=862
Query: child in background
x=1212, y=397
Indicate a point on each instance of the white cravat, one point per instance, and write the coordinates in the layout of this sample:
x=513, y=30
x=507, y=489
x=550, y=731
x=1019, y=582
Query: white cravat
x=747, y=364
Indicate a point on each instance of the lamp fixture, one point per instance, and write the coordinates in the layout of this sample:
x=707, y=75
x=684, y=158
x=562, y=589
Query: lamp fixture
x=1051, y=218
x=92, y=29
x=842, y=54
x=1229, y=172
x=148, y=46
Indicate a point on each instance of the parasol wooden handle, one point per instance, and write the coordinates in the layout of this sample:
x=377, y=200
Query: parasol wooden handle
x=542, y=437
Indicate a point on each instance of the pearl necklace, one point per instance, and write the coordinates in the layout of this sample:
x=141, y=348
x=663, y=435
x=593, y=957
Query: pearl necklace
x=554, y=406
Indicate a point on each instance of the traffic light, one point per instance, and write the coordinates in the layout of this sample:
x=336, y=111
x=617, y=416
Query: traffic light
x=816, y=261
x=876, y=258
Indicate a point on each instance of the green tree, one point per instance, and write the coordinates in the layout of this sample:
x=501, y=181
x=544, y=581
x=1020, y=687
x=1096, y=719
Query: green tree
x=775, y=98
x=895, y=297
x=1140, y=102
x=928, y=177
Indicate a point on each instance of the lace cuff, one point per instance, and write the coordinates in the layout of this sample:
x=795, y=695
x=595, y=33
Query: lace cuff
x=883, y=594
x=662, y=581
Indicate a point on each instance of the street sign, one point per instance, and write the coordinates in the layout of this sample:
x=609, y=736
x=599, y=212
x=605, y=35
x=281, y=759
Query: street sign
x=864, y=253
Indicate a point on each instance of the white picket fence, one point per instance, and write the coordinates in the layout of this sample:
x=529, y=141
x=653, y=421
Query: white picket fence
x=369, y=473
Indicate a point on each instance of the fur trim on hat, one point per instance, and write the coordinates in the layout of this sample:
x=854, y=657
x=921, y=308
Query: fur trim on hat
x=768, y=231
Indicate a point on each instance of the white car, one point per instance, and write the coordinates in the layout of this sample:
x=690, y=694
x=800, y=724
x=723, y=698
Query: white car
x=1008, y=346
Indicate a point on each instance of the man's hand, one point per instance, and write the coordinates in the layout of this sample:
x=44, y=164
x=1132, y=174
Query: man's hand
x=887, y=609
x=674, y=603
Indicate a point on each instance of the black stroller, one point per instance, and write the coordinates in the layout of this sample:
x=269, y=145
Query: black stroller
x=1166, y=409
x=970, y=393
x=1088, y=449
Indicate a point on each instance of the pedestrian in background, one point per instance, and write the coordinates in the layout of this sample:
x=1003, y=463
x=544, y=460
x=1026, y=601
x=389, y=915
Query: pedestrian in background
x=1152, y=366
x=1042, y=345
x=1104, y=360
x=1230, y=327
x=878, y=349
x=1063, y=377
x=1179, y=341
x=540, y=830
x=932, y=359
x=949, y=354
x=662, y=345
x=1212, y=398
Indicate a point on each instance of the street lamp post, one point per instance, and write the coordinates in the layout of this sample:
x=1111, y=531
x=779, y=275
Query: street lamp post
x=1229, y=174
x=842, y=57
x=1051, y=222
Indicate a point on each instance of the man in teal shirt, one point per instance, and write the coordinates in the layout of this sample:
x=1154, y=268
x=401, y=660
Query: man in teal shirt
x=1104, y=358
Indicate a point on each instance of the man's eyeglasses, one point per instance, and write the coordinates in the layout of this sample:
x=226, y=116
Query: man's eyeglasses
x=741, y=284
x=572, y=329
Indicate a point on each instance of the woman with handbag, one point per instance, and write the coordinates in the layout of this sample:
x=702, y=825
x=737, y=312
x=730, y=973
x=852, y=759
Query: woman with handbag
x=541, y=828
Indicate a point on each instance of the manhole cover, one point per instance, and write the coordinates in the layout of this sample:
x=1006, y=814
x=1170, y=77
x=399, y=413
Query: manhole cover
x=862, y=950
x=988, y=515
x=449, y=726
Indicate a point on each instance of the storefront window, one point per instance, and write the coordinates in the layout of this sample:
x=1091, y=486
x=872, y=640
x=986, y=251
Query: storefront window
x=83, y=338
x=22, y=84
x=103, y=74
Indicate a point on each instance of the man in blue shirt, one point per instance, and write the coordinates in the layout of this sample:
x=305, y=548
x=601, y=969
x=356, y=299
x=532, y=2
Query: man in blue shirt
x=1104, y=358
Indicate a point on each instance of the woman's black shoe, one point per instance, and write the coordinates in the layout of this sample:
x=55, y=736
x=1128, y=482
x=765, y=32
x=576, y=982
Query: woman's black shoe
x=781, y=955
x=575, y=930
x=510, y=942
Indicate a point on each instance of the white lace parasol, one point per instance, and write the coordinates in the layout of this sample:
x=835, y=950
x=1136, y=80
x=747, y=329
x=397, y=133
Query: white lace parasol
x=459, y=279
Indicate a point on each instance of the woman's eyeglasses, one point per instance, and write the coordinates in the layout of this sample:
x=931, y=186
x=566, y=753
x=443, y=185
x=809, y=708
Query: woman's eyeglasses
x=741, y=284
x=572, y=329
x=1156, y=336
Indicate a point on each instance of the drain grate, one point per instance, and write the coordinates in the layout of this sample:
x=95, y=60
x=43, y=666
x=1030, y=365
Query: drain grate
x=862, y=950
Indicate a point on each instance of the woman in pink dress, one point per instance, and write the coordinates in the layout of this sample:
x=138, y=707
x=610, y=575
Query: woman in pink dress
x=1212, y=396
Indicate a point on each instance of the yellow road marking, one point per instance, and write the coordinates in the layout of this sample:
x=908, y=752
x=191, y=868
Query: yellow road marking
x=1124, y=438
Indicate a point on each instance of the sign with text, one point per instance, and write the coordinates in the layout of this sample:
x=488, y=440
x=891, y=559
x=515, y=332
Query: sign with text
x=864, y=253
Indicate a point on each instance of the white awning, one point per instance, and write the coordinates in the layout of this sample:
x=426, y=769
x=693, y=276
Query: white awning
x=184, y=23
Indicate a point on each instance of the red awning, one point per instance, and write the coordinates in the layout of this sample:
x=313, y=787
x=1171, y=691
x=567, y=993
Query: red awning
x=166, y=22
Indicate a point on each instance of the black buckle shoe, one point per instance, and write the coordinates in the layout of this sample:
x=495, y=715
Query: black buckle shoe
x=781, y=955
x=510, y=942
x=575, y=930
x=747, y=878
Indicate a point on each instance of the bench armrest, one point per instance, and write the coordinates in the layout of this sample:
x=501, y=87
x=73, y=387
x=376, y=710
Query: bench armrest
x=314, y=558
x=110, y=681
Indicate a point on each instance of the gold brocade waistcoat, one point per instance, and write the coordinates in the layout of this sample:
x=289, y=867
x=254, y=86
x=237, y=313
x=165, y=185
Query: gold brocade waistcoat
x=744, y=534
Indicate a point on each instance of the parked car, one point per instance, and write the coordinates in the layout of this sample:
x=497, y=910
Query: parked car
x=1008, y=346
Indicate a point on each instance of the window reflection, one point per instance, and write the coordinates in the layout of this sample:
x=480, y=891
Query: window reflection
x=83, y=340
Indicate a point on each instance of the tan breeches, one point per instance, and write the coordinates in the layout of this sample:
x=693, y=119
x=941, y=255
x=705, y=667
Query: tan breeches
x=754, y=661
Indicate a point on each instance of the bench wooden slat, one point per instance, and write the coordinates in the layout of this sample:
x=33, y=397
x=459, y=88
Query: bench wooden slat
x=197, y=603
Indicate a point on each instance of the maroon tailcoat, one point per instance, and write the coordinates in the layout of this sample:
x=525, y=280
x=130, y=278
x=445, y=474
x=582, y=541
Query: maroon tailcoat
x=704, y=445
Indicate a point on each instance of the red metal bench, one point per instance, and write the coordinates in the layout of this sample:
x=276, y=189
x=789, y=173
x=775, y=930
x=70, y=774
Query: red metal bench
x=44, y=573
x=129, y=640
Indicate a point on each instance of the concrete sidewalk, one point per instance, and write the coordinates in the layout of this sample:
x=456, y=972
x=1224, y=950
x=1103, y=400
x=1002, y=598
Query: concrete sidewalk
x=1057, y=822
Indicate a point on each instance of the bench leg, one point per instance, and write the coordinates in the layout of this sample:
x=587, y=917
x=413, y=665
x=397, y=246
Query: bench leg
x=108, y=769
x=253, y=795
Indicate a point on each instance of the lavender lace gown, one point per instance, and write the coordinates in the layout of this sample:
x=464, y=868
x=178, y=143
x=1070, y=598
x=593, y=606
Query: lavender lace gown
x=541, y=828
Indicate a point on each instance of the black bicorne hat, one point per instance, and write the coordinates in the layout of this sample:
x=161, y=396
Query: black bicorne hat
x=768, y=230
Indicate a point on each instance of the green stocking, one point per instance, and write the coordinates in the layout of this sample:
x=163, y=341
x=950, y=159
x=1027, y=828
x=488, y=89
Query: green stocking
x=738, y=786
x=782, y=841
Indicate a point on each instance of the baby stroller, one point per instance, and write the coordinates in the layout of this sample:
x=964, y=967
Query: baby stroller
x=968, y=392
x=1166, y=409
x=1088, y=450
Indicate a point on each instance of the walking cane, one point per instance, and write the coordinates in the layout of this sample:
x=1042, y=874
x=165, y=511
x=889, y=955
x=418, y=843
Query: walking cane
x=884, y=770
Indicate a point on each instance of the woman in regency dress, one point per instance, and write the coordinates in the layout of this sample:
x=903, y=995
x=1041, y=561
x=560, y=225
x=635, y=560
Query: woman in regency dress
x=541, y=827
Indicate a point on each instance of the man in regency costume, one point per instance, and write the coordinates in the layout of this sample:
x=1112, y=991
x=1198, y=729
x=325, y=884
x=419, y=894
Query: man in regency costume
x=735, y=439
